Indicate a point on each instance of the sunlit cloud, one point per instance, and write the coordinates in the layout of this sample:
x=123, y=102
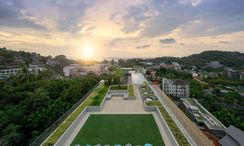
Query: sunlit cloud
x=119, y=28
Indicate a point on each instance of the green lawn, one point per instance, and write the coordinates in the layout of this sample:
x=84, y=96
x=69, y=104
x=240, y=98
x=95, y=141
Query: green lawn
x=119, y=129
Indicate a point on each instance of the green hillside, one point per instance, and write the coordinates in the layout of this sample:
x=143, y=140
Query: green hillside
x=231, y=59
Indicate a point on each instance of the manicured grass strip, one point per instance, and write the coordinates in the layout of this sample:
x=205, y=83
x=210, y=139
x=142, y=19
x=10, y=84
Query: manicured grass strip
x=119, y=129
x=131, y=90
x=179, y=136
x=99, y=97
x=65, y=125
x=122, y=87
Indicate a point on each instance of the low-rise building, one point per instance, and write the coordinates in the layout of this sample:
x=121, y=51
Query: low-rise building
x=96, y=68
x=153, y=74
x=5, y=73
x=177, y=88
x=19, y=59
x=194, y=74
x=231, y=73
x=140, y=69
x=36, y=69
x=233, y=137
x=174, y=65
x=71, y=70
x=51, y=62
x=212, y=75
x=202, y=117
x=215, y=64
x=242, y=76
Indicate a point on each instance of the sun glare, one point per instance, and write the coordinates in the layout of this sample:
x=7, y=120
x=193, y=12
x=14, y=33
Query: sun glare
x=87, y=53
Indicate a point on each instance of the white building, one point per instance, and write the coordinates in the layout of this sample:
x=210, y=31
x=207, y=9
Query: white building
x=174, y=65
x=176, y=88
x=96, y=68
x=70, y=71
x=35, y=69
x=9, y=72
x=215, y=64
x=242, y=76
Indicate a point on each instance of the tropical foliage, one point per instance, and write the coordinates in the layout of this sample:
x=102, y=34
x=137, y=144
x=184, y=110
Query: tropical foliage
x=28, y=108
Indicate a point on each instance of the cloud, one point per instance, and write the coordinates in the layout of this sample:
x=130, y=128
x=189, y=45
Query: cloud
x=137, y=16
x=71, y=14
x=12, y=14
x=143, y=46
x=216, y=16
x=167, y=41
x=192, y=2
x=223, y=42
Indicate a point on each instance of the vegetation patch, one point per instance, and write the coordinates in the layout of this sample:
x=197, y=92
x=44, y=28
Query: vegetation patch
x=118, y=88
x=119, y=129
x=65, y=125
x=100, y=96
x=28, y=107
x=179, y=136
x=131, y=90
x=225, y=81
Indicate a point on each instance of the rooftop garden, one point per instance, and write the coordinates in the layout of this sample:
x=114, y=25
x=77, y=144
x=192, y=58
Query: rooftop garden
x=179, y=136
x=99, y=97
x=120, y=129
x=117, y=87
x=95, y=98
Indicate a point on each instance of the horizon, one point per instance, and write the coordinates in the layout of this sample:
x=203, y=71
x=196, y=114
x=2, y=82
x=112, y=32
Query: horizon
x=119, y=57
x=135, y=29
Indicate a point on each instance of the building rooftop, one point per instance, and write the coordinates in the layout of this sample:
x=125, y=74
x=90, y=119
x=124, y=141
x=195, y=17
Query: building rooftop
x=201, y=114
x=235, y=137
x=180, y=82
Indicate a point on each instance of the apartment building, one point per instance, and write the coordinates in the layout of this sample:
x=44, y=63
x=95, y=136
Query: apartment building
x=177, y=88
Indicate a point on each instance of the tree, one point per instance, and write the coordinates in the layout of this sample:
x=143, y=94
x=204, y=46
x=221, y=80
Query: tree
x=28, y=108
x=117, y=76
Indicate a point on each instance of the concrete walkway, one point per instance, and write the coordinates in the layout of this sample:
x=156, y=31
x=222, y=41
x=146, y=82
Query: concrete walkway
x=119, y=105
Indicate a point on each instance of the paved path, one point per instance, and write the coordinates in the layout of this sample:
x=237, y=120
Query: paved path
x=119, y=105
x=76, y=131
x=163, y=132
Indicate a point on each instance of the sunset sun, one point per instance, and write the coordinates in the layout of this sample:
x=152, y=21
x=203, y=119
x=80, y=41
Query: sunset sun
x=88, y=53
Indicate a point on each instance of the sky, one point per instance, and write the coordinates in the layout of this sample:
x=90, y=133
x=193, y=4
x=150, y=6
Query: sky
x=122, y=28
